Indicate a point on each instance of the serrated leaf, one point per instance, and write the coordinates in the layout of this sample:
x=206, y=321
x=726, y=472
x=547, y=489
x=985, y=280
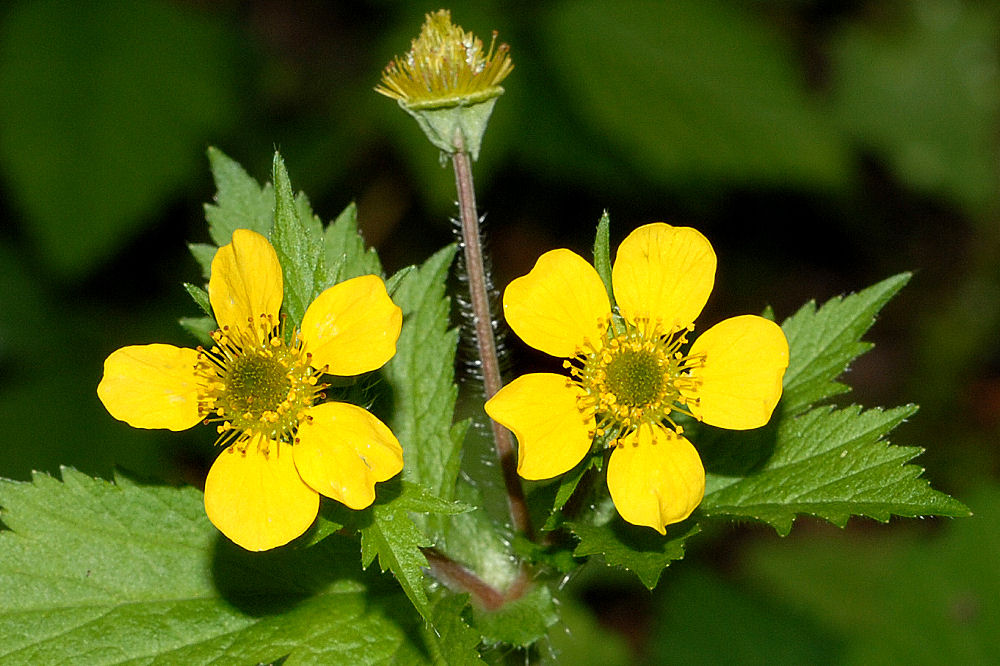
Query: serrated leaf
x=344, y=248
x=95, y=572
x=832, y=464
x=637, y=549
x=452, y=641
x=240, y=201
x=203, y=253
x=519, y=622
x=393, y=536
x=822, y=343
x=423, y=375
x=298, y=245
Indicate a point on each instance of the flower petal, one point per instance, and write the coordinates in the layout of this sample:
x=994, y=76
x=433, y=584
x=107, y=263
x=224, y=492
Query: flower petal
x=655, y=477
x=541, y=410
x=745, y=360
x=342, y=450
x=560, y=303
x=246, y=280
x=151, y=386
x=258, y=500
x=663, y=272
x=352, y=327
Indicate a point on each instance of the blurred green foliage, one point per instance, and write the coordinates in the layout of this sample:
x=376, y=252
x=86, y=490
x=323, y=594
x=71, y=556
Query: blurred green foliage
x=820, y=146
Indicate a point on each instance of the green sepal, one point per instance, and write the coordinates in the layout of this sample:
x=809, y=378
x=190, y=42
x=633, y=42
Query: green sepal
x=200, y=297
x=602, y=254
x=443, y=126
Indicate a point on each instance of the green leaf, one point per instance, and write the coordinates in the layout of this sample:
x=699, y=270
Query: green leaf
x=240, y=203
x=96, y=572
x=602, y=253
x=346, y=254
x=396, y=539
x=634, y=548
x=102, y=126
x=831, y=463
x=298, y=245
x=822, y=343
x=422, y=374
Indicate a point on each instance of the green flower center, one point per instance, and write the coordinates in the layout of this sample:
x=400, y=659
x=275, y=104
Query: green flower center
x=636, y=376
x=256, y=384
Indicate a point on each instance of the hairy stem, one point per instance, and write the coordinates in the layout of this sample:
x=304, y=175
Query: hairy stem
x=485, y=340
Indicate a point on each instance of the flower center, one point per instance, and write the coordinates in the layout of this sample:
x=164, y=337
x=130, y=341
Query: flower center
x=254, y=383
x=636, y=377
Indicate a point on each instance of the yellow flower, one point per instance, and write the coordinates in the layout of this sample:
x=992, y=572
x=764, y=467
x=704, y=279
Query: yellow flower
x=629, y=372
x=260, y=389
x=446, y=67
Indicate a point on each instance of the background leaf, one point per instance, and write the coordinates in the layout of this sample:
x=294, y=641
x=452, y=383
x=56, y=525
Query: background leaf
x=109, y=116
x=709, y=92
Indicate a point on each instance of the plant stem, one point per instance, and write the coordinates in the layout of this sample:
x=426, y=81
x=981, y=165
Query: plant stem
x=483, y=324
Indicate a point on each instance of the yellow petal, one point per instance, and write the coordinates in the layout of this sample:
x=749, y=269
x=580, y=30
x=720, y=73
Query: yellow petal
x=663, y=272
x=558, y=304
x=352, y=327
x=342, y=450
x=655, y=477
x=257, y=500
x=745, y=360
x=151, y=386
x=246, y=280
x=541, y=410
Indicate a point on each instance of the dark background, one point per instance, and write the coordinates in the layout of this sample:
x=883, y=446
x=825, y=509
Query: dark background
x=821, y=146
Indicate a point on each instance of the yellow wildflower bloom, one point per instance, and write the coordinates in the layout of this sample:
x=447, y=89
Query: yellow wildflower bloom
x=446, y=67
x=282, y=449
x=628, y=374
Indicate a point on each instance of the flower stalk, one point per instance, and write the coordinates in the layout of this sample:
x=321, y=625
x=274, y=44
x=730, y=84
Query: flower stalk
x=450, y=83
x=486, y=346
